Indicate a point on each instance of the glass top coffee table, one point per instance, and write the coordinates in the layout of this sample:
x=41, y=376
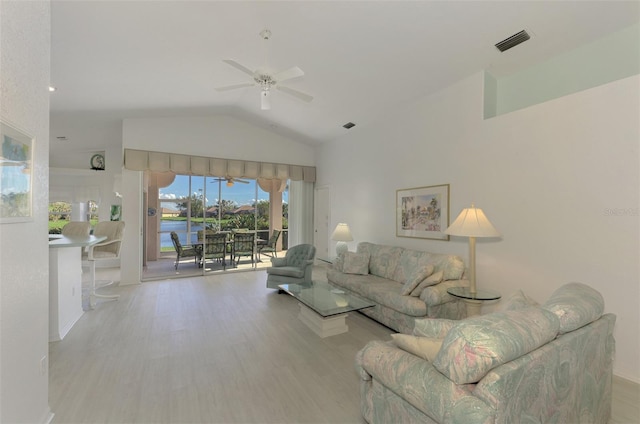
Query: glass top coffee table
x=323, y=307
x=473, y=300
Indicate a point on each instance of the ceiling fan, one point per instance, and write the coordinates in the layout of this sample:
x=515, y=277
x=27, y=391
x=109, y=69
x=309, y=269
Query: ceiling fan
x=267, y=80
x=230, y=181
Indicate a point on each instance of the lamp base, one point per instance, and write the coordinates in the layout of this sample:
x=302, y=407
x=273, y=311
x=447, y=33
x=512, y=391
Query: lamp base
x=341, y=248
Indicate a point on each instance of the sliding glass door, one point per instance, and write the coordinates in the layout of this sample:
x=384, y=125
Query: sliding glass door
x=194, y=208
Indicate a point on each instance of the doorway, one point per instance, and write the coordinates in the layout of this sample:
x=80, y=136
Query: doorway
x=321, y=219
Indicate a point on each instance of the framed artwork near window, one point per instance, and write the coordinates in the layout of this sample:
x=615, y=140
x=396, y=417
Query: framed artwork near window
x=423, y=212
x=116, y=212
x=16, y=174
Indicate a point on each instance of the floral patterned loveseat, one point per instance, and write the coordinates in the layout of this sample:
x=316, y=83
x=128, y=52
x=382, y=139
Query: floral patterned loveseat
x=405, y=284
x=524, y=364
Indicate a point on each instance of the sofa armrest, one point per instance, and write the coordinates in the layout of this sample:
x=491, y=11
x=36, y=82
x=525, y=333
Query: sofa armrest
x=437, y=294
x=420, y=384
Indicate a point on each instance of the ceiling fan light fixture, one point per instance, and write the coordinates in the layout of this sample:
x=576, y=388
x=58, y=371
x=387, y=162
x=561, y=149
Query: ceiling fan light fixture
x=229, y=183
x=265, y=100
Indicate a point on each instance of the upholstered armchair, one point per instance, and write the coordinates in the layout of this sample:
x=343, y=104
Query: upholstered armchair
x=294, y=268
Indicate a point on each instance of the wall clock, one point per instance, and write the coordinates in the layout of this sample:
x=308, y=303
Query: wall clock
x=97, y=162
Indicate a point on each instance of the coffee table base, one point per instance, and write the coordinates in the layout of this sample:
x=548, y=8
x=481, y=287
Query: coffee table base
x=323, y=327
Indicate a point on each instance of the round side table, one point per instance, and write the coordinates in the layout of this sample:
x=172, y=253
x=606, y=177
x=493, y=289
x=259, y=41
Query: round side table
x=473, y=300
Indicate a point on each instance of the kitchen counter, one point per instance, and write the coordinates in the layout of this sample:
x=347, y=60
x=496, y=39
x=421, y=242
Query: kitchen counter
x=65, y=282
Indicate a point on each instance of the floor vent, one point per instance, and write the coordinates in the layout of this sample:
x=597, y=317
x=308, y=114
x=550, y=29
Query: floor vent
x=513, y=41
x=349, y=125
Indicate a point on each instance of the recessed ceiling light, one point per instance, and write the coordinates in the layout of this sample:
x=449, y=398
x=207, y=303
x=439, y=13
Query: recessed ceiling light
x=52, y=88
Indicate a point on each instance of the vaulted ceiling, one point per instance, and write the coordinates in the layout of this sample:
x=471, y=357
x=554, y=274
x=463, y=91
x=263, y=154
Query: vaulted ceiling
x=117, y=59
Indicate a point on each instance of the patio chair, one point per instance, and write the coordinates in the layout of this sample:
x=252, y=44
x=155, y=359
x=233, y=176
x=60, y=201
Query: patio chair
x=243, y=245
x=294, y=268
x=269, y=246
x=186, y=251
x=216, y=248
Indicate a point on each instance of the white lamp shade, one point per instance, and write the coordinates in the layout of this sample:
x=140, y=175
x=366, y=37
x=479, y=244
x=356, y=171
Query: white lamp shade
x=342, y=233
x=472, y=222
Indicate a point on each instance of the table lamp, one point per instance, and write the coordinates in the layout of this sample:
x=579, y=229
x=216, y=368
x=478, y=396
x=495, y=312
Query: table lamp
x=472, y=223
x=341, y=234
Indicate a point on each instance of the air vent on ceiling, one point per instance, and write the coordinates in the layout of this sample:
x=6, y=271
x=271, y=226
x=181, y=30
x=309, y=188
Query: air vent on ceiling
x=513, y=41
x=349, y=125
x=61, y=138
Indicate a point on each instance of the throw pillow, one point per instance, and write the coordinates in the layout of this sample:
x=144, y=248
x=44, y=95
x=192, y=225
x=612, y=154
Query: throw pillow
x=356, y=263
x=423, y=347
x=575, y=305
x=416, y=278
x=434, y=278
x=476, y=345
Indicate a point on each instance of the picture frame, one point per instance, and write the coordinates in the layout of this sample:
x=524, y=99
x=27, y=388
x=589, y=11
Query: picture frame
x=16, y=174
x=116, y=212
x=423, y=212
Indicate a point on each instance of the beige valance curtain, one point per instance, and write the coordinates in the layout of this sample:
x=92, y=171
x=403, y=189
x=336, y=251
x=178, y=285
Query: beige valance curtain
x=143, y=160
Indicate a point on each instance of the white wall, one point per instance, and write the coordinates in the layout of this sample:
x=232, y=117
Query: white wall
x=212, y=136
x=25, y=40
x=560, y=180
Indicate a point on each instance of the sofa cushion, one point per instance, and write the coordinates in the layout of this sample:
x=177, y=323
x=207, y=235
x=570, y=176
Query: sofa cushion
x=356, y=263
x=476, y=345
x=517, y=300
x=410, y=260
x=418, y=275
x=383, y=259
x=434, y=278
x=338, y=262
x=433, y=327
x=575, y=305
x=379, y=290
x=424, y=347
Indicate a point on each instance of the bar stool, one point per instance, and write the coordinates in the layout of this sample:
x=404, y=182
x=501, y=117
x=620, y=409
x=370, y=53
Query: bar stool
x=109, y=249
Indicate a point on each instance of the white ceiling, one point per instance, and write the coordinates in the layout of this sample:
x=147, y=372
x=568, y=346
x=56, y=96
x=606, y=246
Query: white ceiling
x=120, y=59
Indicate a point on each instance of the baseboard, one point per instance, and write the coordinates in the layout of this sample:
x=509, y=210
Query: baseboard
x=626, y=381
x=48, y=417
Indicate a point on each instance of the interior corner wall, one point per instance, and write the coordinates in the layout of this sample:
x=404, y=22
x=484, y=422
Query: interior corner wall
x=560, y=180
x=25, y=47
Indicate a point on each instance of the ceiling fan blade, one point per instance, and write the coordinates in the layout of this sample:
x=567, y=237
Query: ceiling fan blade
x=235, y=180
x=288, y=74
x=233, y=87
x=239, y=66
x=295, y=93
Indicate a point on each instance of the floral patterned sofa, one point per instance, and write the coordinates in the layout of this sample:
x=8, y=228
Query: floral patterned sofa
x=405, y=284
x=525, y=363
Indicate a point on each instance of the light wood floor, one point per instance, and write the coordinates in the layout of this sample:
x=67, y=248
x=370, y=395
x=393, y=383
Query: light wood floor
x=216, y=349
x=163, y=267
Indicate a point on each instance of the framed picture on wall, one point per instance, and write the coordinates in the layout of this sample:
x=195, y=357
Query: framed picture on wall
x=16, y=174
x=423, y=212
